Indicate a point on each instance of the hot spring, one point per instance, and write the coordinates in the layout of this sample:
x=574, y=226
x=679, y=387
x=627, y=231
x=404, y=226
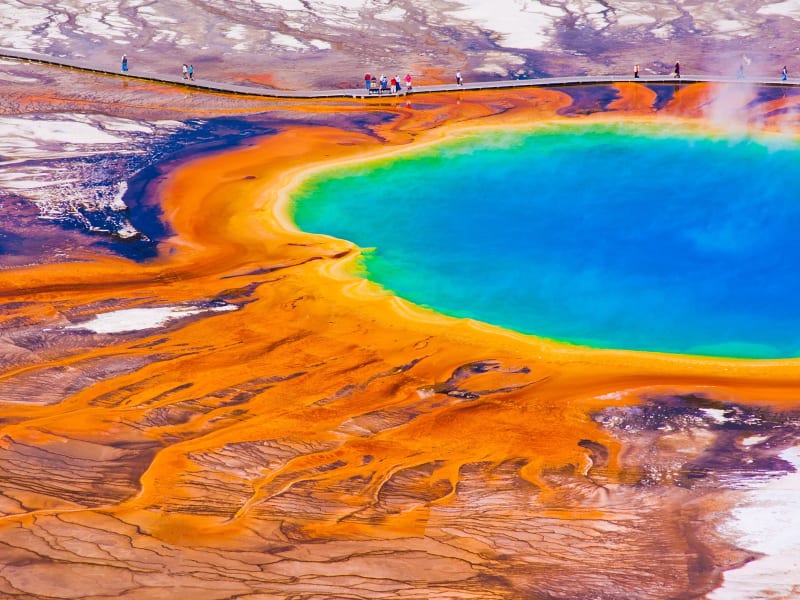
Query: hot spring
x=642, y=237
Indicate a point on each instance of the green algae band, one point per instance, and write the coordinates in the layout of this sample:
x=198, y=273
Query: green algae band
x=626, y=237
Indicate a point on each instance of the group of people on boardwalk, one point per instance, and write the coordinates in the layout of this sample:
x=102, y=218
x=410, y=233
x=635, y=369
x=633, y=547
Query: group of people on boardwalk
x=374, y=85
x=187, y=70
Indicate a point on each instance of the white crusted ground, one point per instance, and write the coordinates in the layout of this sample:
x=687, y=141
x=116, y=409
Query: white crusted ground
x=49, y=162
x=137, y=319
x=766, y=522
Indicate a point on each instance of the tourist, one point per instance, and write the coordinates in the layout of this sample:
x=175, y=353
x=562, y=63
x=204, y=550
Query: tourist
x=636, y=71
x=185, y=71
x=393, y=84
x=397, y=83
x=191, y=72
x=458, y=78
x=784, y=73
x=408, y=82
x=125, y=63
x=367, y=79
x=384, y=83
x=677, y=72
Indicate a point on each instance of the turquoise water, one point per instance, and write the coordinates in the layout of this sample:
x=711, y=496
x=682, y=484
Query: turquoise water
x=625, y=237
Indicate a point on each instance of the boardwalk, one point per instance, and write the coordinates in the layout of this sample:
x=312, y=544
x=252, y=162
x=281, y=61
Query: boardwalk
x=210, y=86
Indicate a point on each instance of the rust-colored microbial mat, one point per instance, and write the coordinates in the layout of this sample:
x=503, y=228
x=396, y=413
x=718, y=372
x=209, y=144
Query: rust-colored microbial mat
x=249, y=420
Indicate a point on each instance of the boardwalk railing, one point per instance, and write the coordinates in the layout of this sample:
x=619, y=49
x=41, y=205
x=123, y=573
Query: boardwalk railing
x=209, y=86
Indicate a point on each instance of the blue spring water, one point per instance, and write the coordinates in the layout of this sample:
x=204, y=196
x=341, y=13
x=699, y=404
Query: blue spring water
x=625, y=236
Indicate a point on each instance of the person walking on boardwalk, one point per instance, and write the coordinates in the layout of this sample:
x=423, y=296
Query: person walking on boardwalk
x=408, y=82
x=459, y=81
x=397, y=81
x=784, y=73
x=677, y=72
x=636, y=71
x=191, y=72
x=367, y=80
x=185, y=71
x=124, y=63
